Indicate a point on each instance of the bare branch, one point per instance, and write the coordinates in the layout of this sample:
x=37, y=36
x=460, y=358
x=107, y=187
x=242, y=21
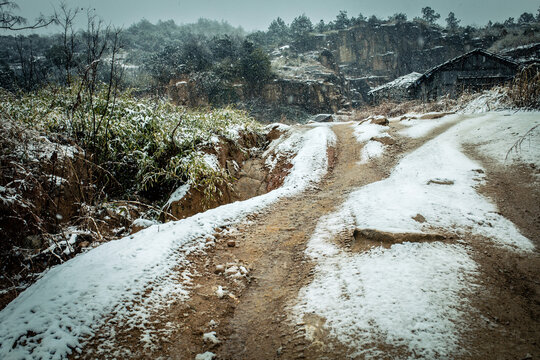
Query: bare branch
x=10, y=21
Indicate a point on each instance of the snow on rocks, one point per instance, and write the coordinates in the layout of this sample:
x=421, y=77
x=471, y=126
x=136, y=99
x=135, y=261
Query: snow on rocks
x=135, y=275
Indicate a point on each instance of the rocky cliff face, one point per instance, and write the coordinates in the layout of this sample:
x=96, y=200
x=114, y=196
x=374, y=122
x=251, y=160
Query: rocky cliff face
x=341, y=67
x=311, y=80
x=388, y=51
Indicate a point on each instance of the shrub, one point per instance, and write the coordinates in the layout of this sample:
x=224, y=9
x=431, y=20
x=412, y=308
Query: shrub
x=144, y=145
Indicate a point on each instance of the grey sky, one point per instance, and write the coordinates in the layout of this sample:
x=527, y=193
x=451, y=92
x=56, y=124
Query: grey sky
x=257, y=15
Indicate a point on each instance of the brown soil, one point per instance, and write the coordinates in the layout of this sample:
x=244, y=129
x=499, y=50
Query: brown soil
x=251, y=320
x=507, y=321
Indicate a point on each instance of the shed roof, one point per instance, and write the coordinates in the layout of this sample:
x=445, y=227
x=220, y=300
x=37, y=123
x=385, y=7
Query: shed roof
x=401, y=82
x=451, y=62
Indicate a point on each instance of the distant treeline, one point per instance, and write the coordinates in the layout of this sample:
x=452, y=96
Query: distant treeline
x=216, y=54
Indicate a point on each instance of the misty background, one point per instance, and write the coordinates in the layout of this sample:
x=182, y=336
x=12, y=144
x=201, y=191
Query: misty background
x=257, y=15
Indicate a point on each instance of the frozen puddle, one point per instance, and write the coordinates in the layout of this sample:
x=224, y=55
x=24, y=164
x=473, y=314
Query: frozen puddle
x=410, y=297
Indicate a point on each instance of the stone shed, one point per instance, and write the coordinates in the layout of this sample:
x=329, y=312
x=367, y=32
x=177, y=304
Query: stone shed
x=475, y=70
x=397, y=90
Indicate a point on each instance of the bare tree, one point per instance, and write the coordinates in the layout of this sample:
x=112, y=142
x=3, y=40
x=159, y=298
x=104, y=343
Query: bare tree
x=65, y=17
x=10, y=21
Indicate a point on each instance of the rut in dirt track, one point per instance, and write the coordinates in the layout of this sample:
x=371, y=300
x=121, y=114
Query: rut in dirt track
x=251, y=321
x=274, y=246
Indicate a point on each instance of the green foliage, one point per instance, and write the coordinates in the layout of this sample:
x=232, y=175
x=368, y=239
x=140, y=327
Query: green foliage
x=430, y=15
x=526, y=18
x=145, y=145
x=342, y=21
x=255, y=67
x=278, y=31
x=398, y=18
x=452, y=23
x=301, y=27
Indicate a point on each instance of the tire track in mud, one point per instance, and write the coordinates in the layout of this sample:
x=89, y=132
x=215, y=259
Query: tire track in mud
x=250, y=320
x=259, y=326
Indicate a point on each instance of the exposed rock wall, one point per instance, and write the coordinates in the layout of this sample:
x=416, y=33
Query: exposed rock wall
x=313, y=96
x=393, y=50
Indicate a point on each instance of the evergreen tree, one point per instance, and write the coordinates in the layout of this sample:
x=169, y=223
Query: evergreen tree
x=526, y=18
x=430, y=15
x=278, y=31
x=342, y=20
x=255, y=67
x=398, y=17
x=301, y=26
x=320, y=27
x=452, y=23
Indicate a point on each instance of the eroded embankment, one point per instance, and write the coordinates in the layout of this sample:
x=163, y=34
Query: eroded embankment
x=251, y=321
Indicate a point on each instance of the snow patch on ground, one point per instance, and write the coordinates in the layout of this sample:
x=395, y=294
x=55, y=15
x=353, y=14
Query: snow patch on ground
x=205, y=356
x=409, y=296
x=211, y=337
x=364, y=132
x=135, y=275
x=500, y=131
x=389, y=205
x=373, y=149
x=417, y=128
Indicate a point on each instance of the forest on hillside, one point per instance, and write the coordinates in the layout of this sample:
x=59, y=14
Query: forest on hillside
x=147, y=56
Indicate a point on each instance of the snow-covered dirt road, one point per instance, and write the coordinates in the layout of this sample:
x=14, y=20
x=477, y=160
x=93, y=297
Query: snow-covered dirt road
x=399, y=241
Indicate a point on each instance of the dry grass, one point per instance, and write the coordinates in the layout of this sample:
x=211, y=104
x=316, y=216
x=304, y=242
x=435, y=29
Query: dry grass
x=525, y=89
x=393, y=109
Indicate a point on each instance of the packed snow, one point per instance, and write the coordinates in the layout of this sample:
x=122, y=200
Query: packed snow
x=417, y=128
x=364, y=133
x=401, y=82
x=130, y=276
x=411, y=295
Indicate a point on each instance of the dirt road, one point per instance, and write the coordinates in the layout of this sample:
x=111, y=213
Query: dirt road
x=254, y=324
x=243, y=286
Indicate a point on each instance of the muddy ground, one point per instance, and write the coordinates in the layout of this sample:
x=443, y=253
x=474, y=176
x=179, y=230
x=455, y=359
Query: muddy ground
x=250, y=319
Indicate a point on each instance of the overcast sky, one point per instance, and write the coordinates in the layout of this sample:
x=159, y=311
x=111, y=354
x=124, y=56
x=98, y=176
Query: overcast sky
x=257, y=14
